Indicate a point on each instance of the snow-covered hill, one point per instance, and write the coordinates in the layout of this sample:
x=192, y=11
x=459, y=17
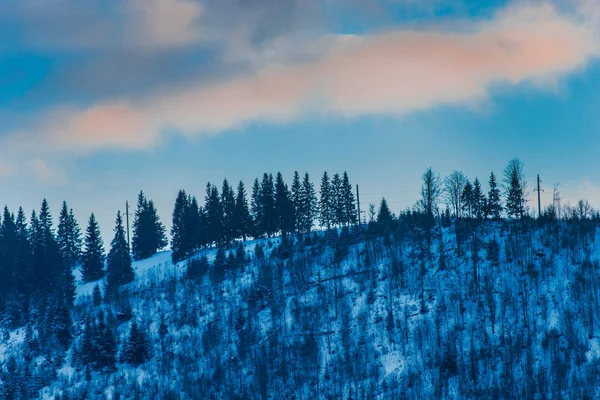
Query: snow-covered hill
x=505, y=311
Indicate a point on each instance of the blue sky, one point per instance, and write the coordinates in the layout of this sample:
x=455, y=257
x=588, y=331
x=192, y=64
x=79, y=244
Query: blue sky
x=101, y=99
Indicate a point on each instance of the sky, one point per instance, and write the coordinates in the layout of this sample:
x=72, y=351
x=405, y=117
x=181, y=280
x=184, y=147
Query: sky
x=103, y=98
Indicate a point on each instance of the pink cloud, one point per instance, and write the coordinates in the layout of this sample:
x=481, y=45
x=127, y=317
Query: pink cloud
x=394, y=72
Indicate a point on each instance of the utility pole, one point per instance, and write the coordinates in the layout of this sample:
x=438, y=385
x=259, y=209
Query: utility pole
x=358, y=204
x=127, y=217
x=539, y=201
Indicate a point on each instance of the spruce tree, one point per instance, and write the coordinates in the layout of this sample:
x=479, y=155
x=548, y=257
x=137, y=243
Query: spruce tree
x=118, y=266
x=257, y=209
x=337, y=200
x=494, y=208
x=296, y=199
x=308, y=204
x=384, y=216
x=214, y=215
x=478, y=200
x=267, y=196
x=348, y=205
x=193, y=226
x=149, y=234
x=283, y=206
x=228, y=202
x=68, y=236
x=179, y=231
x=326, y=208
x=158, y=232
x=242, y=217
x=93, y=256
x=139, y=241
x=515, y=186
x=8, y=255
x=136, y=348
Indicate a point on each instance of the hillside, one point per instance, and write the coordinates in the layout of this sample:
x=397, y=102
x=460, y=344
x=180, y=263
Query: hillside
x=383, y=312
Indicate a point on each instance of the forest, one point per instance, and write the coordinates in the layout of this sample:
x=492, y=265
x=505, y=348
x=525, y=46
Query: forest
x=289, y=292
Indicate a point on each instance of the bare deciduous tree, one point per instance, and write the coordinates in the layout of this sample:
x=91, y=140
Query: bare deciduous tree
x=453, y=188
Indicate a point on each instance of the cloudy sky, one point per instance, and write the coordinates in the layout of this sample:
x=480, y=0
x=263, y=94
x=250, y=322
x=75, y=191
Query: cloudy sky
x=103, y=98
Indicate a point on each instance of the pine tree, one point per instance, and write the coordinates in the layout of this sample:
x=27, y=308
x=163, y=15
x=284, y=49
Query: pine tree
x=105, y=346
x=136, y=348
x=308, y=204
x=267, y=196
x=337, y=200
x=228, y=202
x=23, y=268
x=139, y=241
x=296, y=200
x=149, y=234
x=179, y=229
x=348, y=206
x=68, y=236
x=257, y=209
x=384, y=217
x=157, y=229
x=193, y=226
x=283, y=206
x=242, y=212
x=8, y=256
x=214, y=215
x=494, y=208
x=93, y=256
x=118, y=266
x=197, y=267
x=515, y=186
x=478, y=200
x=326, y=209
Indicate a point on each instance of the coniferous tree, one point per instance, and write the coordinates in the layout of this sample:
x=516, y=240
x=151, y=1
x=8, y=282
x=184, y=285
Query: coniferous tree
x=136, y=348
x=228, y=202
x=8, y=255
x=197, y=267
x=158, y=232
x=478, y=200
x=179, y=229
x=105, y=346
x=68, y=236
x=45, y=256
x=494, y=208
x=308, y=204
x=214, y=215
x=257, y=209
x=283, y=206
x=348, y=205
x=296, y=199
x=337, y=200
x=23, y=268
x=149, y=234
x=384, y=216
x=139, y=241
x=267, y=196
x=118, y=266
x=242, y=212
x=93, y=255
x=515, y=186
x=326, y=209
x=193, y=226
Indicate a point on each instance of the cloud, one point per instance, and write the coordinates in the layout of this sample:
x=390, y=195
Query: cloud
x=394, y=72
x=40, y=170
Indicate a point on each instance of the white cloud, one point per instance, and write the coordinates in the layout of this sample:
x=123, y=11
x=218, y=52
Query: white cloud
x=394, y=72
